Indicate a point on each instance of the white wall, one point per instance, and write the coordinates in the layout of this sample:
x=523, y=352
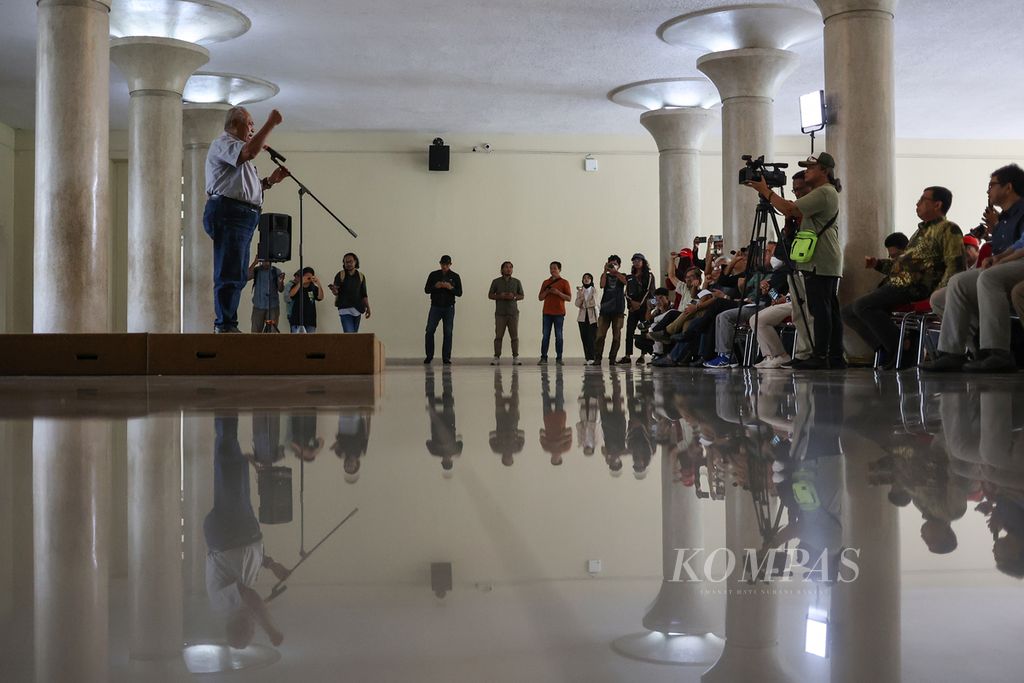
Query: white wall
x=528, y=201
x=6, y=219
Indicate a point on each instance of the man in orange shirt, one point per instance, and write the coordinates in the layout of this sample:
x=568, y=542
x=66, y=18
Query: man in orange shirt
x=554, y=293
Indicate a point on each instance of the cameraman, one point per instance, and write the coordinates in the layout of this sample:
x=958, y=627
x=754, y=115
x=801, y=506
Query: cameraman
x=818, y=210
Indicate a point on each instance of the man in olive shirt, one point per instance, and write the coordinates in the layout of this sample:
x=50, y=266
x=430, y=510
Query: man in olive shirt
x=934, y=254
x=505, y=292
x=818, y=210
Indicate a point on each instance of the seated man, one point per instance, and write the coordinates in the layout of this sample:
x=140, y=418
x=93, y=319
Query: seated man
x=659, y=316
x=757, y=289
x=934, y=254
x=981, y=296
x=971, y=254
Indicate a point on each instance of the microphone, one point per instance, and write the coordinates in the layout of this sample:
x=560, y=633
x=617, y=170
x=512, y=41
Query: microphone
x=274, y=154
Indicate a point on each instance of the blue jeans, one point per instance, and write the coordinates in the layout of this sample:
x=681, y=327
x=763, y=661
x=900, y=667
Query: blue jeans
x=350, y=323
x=550, y=321
x=232, y=522
x=231, y=225
x=434, y=316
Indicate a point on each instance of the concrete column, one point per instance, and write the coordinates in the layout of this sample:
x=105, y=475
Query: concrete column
x=747, y=80
x=859, y=91
x=71, y=498
x=865, y=613
x=154, y=538
x=681, y=621
x=202, y=123
x=679, y=133
x=197, y=441
x=156, y=70
x=72, y=160
x=751, y=627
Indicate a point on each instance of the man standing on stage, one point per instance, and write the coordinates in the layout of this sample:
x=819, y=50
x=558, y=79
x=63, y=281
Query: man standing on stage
x=232, y=212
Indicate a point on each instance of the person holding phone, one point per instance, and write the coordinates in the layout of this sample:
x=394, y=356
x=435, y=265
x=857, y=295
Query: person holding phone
x=612, y=310
x=586, y=301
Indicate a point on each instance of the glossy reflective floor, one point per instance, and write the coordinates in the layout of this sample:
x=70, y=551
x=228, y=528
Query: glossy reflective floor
x=527, y=524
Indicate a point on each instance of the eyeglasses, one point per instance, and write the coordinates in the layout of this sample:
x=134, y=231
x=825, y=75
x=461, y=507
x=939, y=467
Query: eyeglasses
x=994, y=183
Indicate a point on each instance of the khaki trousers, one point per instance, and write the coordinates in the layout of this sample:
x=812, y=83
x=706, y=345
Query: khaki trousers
x=502, y=323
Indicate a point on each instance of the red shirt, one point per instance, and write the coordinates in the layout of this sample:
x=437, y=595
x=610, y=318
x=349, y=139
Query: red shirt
x=553, y=304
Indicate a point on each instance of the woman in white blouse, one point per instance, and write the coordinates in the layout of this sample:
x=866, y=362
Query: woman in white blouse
x=586, y=301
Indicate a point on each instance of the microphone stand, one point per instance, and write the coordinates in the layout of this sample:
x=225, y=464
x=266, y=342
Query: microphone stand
x=303, y=191
x=281, y=586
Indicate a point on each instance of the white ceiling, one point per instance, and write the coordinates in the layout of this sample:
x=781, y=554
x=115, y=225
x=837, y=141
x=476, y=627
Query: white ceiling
x=546, y=66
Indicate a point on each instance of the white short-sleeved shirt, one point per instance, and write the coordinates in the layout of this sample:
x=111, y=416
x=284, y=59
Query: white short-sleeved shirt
x=226, y=177
x=225, y=568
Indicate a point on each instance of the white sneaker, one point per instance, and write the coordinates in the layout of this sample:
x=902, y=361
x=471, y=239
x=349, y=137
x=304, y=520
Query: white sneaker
x=495, y=360
x=773, y=363
x=516, y=361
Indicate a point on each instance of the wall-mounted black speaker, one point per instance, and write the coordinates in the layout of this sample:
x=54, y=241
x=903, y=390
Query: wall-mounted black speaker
x=275, y=237
x=439, y=155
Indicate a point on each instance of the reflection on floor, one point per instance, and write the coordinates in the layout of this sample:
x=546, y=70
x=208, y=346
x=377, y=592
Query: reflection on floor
x=511, y=524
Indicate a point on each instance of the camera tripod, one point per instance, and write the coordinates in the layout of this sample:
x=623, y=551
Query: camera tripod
x=764, y=215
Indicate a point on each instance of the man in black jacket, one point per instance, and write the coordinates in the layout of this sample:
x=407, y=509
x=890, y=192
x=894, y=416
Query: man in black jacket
x=443, y=285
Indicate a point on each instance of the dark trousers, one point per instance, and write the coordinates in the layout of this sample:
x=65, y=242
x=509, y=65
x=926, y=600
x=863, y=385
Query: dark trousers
x=232, y=522
x=231, y=225
x=552, y=321
x=634, y=319
x=434, y=316
x=869, y=316
x=588, y=333
x=823, y=305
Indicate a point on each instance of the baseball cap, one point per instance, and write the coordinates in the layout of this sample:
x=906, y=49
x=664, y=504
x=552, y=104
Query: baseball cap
x=446, y=259
x=824, y=160
x=686, y=252
x=638, y=255
x=971, y=241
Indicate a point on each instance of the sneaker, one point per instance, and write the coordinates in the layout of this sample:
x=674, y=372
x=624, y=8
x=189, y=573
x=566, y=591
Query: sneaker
x=516, y=361
x=773, y=362
x=664, y=362
x=427, y=361
x=625, y=360
x=447, y=361
x=495, y=361
x=593, y=363
x=226, y=329
x=558, y=361
x=543, y=360
x=718, y=362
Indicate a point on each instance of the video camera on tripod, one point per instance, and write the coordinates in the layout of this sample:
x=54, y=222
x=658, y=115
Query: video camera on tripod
x=757, y=169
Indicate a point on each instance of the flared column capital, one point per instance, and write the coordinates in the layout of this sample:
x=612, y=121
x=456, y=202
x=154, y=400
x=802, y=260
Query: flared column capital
x=748, y=72
x=678, y=128
x=832, y=8
x=157, y=63
x=202, y=123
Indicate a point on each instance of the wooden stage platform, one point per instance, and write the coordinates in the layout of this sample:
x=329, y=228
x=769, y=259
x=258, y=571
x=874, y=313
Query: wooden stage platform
x=190, y=354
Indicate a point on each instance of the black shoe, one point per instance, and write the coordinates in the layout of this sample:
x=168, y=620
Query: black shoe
x=428, y=361
x=837, y=364
x=447, y=361
x=945, y=362
x=811, y=363
x=226, y=329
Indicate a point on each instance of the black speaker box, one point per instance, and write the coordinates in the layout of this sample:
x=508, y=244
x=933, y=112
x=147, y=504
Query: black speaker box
x=275, y=489
x=275, y=237
x=439, y=157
